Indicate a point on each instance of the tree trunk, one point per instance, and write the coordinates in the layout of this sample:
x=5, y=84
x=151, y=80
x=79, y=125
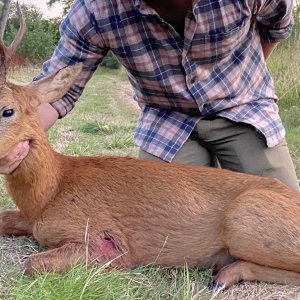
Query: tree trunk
x=4, y=16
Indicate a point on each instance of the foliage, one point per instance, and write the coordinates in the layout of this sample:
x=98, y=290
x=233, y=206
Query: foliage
x=110, y=61
x=65, y=3
x=41, y=37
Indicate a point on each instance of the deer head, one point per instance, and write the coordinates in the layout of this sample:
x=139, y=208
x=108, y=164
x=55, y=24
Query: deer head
x=18, y=103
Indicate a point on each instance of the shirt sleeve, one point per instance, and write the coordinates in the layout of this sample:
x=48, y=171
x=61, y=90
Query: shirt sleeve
x=274, y=19
x=79, y=42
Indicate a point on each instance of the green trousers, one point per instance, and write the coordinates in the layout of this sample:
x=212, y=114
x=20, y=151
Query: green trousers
x=235, y=146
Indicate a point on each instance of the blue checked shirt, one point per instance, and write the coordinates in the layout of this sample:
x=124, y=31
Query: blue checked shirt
x=217, y=69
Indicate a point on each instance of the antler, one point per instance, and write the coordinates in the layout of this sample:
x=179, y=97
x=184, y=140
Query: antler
x=7, y=53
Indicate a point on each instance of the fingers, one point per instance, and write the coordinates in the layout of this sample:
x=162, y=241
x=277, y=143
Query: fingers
x=22, y=150
x=14, y=158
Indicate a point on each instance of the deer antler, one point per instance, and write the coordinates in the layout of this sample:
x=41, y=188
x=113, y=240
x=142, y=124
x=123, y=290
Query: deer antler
x=7, y=53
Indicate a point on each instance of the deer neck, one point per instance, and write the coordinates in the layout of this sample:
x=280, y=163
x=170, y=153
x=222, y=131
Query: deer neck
x=35, y=182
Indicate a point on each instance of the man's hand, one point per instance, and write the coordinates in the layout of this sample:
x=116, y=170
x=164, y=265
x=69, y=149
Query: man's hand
x=13, y=159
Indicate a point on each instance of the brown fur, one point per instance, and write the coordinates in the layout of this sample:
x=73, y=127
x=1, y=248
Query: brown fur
x=131, y=212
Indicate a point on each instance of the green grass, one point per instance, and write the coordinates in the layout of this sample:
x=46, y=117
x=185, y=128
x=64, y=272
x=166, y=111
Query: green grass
x=95, y=283
x=101, y=122
x=284, y=65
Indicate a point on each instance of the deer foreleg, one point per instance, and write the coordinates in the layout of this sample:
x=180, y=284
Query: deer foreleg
x=13, y=223
x=69, y=255
x=55, y=260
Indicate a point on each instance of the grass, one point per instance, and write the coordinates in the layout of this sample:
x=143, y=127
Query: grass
x=81, y=283
x=284, y=66
x=103, y=124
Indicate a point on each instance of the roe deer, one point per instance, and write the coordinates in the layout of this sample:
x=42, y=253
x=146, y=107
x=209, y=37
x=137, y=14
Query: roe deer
x=133, y=212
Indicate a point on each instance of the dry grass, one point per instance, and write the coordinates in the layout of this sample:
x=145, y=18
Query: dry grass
x=248, y=291
x=13, y=251
x=262, y=291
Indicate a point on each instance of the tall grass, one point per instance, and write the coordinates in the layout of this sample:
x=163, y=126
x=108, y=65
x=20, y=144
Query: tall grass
x=284, y=65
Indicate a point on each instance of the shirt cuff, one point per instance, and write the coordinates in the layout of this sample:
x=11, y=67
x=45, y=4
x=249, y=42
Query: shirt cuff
x=274, y=35
x=64, y=105
x=62, y=108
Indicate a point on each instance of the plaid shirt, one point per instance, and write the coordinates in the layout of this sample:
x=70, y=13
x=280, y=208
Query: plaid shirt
x=217, y=69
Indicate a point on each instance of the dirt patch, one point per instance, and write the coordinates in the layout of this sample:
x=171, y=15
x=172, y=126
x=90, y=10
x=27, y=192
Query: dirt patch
x=66, y=136
x=125, y=94
x=13, y=251
x=261, y=291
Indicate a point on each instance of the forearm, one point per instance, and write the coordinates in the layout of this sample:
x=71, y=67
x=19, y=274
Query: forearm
x=47, y=114
x=267, y=48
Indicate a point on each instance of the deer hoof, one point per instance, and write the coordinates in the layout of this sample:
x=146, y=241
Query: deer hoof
x=28, y=268
x=216, y=287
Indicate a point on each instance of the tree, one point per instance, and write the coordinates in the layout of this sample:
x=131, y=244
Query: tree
x=66, y=4
x=4, y=16
x=41, y=36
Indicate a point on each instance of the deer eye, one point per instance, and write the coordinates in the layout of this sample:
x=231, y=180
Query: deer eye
x=8, y=113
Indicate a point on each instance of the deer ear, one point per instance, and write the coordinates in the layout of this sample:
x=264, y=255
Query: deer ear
x=54, y=87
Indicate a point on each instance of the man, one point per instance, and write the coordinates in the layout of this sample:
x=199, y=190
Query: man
x=198, y=71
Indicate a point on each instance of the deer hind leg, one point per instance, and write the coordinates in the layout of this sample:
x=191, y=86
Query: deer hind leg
x=262, y=229
x=13, y=223
x=247, y=271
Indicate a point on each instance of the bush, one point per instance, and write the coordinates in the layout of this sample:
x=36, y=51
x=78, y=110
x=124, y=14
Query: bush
x=41, y=36
x=110, y=61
